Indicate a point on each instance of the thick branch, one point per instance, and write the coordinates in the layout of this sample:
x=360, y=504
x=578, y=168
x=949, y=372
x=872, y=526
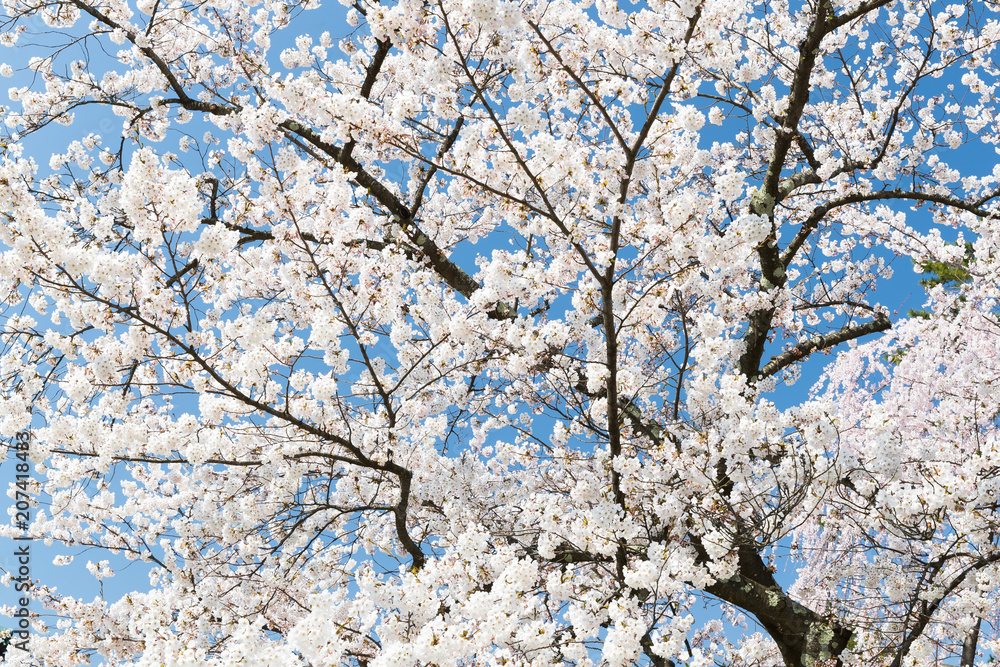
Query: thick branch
x=804, y=638
x=647, y=648
x=819, y=343
x=859, y=11
x=374, y=67
x=970, y=645
x=772, y=191
x=798, y=97
x=812, y=222
x=451, y=273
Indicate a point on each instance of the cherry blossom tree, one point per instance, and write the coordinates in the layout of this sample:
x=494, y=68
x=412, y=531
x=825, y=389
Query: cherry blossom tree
x=452, y=332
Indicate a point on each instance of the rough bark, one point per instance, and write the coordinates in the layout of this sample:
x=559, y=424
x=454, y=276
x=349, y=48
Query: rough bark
x=804, y=638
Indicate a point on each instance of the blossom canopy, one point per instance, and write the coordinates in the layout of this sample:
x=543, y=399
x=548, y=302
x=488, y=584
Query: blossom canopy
x=459, y=332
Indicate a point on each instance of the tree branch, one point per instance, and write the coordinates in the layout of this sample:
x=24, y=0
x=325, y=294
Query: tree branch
x=804, y=638
x=819, y=343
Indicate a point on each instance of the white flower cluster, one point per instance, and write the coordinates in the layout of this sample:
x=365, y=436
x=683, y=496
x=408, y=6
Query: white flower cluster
x=525, y=117
x=690, y=118
x=215, y=241
x=729, y=185
x=482, y=11
x=101, y=570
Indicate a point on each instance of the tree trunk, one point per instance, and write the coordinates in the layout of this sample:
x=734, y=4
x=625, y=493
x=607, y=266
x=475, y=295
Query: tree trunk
x=969, y=646
x=804, y=638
